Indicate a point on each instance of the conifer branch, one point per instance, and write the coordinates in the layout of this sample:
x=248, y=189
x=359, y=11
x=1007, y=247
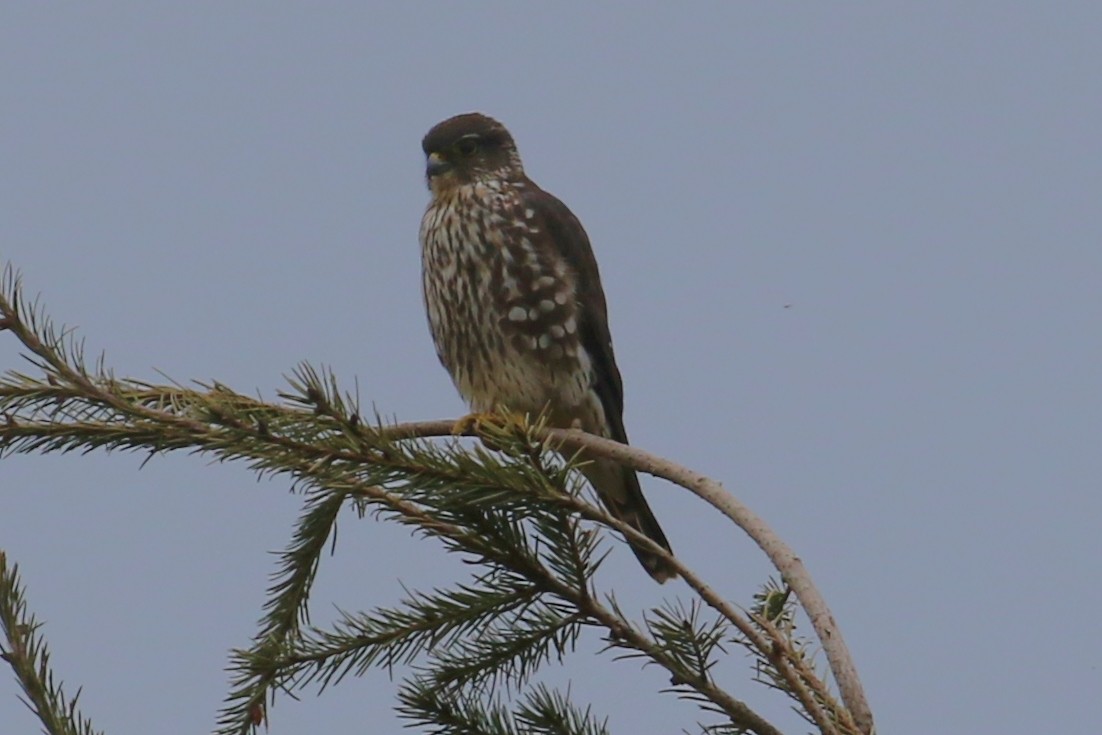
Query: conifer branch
x=26, y=653
x=507, y=505
x=782, y=556
x=542, y=711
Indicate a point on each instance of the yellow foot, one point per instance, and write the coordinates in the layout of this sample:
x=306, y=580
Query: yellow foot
x=485, y=425
x=473, y=422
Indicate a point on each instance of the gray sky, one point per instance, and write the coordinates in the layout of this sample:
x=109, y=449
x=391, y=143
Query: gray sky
x=852, y=255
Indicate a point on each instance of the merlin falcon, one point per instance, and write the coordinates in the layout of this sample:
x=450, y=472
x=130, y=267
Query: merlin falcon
x=516, y=308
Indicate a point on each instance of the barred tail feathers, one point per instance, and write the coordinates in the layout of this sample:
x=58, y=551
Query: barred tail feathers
x=619, y=491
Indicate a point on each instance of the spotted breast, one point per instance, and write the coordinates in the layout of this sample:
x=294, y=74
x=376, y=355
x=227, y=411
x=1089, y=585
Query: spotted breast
x=502, y=314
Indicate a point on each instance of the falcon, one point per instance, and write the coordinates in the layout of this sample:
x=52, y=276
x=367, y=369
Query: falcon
x=516, y=308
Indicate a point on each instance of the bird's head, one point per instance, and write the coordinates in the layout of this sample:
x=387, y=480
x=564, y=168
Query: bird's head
x=468, y=149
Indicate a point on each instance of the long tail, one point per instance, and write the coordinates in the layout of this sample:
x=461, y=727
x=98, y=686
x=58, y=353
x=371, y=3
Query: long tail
x=619, y=490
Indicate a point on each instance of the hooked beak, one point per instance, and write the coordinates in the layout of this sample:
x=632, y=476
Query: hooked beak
x=437, y=165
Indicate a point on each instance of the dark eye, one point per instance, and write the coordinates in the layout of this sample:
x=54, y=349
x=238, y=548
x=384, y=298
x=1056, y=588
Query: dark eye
x=467, y=146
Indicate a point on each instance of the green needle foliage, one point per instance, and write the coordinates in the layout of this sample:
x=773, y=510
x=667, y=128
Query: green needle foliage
x=26, y=653
x=540, y=711
x=510, y=506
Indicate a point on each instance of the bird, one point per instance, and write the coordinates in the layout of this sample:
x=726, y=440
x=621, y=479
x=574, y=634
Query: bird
x=516, y=309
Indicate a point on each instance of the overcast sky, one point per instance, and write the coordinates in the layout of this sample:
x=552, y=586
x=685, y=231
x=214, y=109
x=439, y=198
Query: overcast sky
x=852, y=254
